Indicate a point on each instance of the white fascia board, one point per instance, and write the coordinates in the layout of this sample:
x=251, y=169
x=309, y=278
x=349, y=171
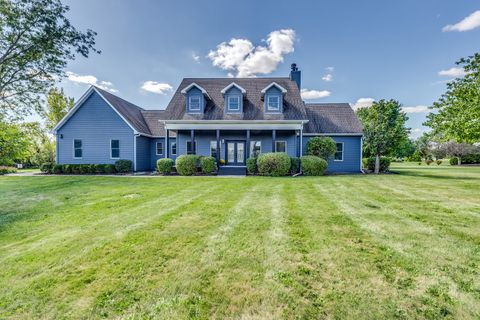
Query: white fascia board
x=187, y=88
x=233, y=84
x=276, y=85
x=235, y=124
x=335, y=134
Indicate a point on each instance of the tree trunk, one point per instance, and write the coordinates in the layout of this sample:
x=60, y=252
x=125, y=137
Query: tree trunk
x=377, y=164
x=459, y=160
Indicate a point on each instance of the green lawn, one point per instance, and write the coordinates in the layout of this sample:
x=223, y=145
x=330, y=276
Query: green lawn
x=339, y=247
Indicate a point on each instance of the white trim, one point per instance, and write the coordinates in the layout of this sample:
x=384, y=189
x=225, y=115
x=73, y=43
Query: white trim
x=277, y=141
x=228, y=103
x=269, y=108
x=190, y=103
x=156, y=148
x=79, y=104
x=233, y=84
x=171, y=148
x=187, y=88
x=135, y=152
x=73, y=148
x=234, y=124
x=264, y=90
x=343, y=151
x=335, y=134
x=111, y=156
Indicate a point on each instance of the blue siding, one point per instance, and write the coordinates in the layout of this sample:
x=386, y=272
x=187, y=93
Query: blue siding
x=234, y=92
x=95, y=123
x=143, y=154
x=351, y=154
x=273, y=91
x=153, y=151
x=195, y=92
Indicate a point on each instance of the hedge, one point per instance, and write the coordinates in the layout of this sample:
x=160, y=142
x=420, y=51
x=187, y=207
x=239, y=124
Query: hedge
x=187, y=164
x=208, y=165
x=7, y=170
x=252, y=165
x=123, y=166
x=77, y=168
x=273, y=164
x=384, y=164
x=46, y=167
x=313, y=165
x=165, y=166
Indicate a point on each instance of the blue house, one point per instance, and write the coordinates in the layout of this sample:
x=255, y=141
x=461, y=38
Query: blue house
x=227, y=118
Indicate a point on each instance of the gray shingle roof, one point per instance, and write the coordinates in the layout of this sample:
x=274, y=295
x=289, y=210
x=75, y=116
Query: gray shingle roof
x=332, y=118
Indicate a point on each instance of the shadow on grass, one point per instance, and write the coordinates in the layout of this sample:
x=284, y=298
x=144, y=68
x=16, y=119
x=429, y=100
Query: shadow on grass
x=421, y=172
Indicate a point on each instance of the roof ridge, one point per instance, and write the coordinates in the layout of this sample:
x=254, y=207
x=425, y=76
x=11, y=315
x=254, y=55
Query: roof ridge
x=109, y=93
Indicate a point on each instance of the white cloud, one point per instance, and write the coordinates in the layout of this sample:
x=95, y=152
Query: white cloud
x=195, y=57
x=91, y=80
x=453, y=72
x=328, y=77
x=416, y=109
x=330, y=69
x=314, y=94
x=363, y=103
x=247, y=60
x=416, y=132
x=468, y=23
x=156, y=87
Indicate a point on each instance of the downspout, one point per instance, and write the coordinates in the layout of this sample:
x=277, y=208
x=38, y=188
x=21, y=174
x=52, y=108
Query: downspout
x=361, y=155
x=135, y=135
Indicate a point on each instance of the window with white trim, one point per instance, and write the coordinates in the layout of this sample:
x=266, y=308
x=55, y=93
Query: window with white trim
x=213, y=148
x=233, y=103
x=194, y=103
x=114, y=149
x=339, y=152
x=273, y=103
x=280, y=146
x=255, y=148
x=173, y=148
x=189, y=147
x=159, y=148
x=77, y=148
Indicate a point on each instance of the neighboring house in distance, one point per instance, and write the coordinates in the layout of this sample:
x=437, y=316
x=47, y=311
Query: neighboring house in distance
x=227, y=118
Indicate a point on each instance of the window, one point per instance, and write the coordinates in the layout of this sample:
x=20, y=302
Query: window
x=255, y=148
x=189, y=147
x=77, y=148
x=173, y=148
x=194, y=103
x=339, y=153
x=280, y=146
x=159, y=148
x=234, y=103
x=213, y=148
x=273, y=103
x=114, y=148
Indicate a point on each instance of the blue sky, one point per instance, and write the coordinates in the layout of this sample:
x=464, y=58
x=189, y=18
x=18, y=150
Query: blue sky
x=348, y=51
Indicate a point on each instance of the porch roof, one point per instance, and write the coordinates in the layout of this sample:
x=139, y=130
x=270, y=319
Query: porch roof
x=234, y=124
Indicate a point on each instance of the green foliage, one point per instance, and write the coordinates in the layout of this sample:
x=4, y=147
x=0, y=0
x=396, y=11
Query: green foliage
x=313, y=165
x=165, y=166
x=294, y=165
x=58, y=105
x=384, y=127
x=208, y=165
x=186, y=164
x=252, y=165
x=453, y=161
x=415, y=157
x=67, y=169
x=109, y=168
x=46, y=167
x=473, y=158
x=36, y=42
x=428, y=162
x=405, y=149
x=457, y=111
x=323, y=147
x=7, y=170
x=273, y=164
x=123, y=166
x=364, y=162
x=439, y=162
x=14, y=144
x=57, y=169
x=384, y=164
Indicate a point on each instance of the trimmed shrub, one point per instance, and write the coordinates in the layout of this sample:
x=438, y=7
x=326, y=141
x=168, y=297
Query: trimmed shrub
x=109, y=168
x=384, y=164
x=84, y=168
x=67, y=168
x=364, y=162
x=439, y=162
x=7, y=170
x=186, y=164
x=123, y=166
x=165, y=166
x=46, y=167
x=92, y=168
x=252, y=165
x=471, y=159
x=273, y=164
x=208, y=165
x=57, y=169
x=294, y=165
x=323, y=147
x=313, y=165
x=99, y=168
x=453, y=161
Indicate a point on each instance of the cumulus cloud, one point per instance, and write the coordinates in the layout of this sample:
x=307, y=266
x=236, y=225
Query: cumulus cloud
x=363, y=103
x=328, y=77
x=247, y=60
x=453, y=72
x=91, y=80
x=416, y=109
x=314, y=94
x=195, y=57
x=468, y=23
x=156, y=87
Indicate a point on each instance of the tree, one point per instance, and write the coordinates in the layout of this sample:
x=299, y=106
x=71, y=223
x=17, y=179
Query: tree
x=36, y=42
x=58, y=104
x=458, y=109
x=42, y=146
x=14, y=144
x=323, y=147
x=458, y=150
x=406, y=149
x=383, y=128
x=424, y=146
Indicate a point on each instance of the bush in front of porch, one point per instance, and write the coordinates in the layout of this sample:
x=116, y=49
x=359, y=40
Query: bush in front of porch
x=273, y=164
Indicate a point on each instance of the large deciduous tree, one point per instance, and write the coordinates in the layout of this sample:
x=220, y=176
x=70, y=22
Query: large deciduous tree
x=383, y=128
x=58, y=104
x=36, y=42
x=457, y=115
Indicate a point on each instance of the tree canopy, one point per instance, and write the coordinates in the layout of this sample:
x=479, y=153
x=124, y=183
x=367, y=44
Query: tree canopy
x=457, y=115
x=36, y=42
x=58, y=104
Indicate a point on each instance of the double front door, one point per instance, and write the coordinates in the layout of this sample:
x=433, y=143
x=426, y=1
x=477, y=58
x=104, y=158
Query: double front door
x=235, y=152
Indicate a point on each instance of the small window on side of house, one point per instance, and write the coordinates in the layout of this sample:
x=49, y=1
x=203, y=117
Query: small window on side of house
x=77, y=148
x=114, y=149
x=280, y=146
x=339, y=152
x=159, y=148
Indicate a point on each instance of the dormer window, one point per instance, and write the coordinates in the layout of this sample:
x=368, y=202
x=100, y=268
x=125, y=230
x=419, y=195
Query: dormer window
x=233, y=103
x=194, y=103
x=273, y=103
x=195, y=98
x=273, y=97
x=233, y=95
